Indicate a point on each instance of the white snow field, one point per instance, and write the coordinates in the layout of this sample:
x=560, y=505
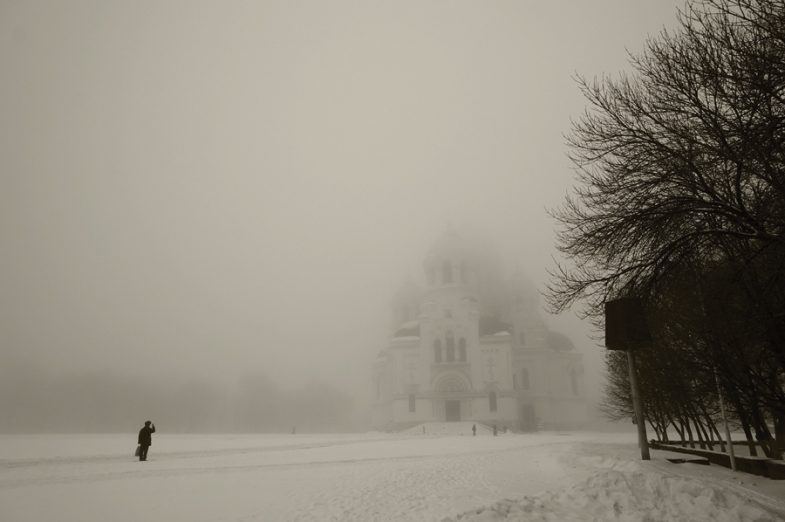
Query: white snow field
x=368, y=477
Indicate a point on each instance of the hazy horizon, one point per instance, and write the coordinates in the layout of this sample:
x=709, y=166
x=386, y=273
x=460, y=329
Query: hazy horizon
x=198, y=190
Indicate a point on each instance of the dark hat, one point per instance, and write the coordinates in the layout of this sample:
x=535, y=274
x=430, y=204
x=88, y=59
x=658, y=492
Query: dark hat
x=147, y=423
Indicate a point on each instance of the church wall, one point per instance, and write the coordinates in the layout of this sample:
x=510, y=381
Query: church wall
x=538, y=377
x=559, y=369
x=498, y=374
x=403, y=362
x=506, y=408
x=381, y=414
x=423, y=411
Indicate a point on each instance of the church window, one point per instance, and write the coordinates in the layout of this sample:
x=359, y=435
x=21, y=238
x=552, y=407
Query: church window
x=525, y=378
x=492, y=400
x=451, y=383
x=446, y=272
x=462, y=349
x=412, y=403
x=450, y=347
x=437, y=350
x=574, y=382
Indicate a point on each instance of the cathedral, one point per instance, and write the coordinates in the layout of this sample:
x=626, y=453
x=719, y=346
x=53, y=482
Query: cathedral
x=471, y=346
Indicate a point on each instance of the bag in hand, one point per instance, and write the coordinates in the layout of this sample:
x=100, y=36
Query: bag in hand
x=138, y=451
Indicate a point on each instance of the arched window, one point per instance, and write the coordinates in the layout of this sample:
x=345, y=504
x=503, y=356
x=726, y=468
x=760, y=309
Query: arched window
x=574, y=381
x=446, y=272
x=492, y=400
x=437, y=350
x=462, y=349
x=450, y=347
x=525, y=378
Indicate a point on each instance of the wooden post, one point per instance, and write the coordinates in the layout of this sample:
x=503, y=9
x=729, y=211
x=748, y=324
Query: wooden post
x=731, y=453
x=643, y=443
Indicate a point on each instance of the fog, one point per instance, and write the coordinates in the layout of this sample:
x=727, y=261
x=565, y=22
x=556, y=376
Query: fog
x=197, y=195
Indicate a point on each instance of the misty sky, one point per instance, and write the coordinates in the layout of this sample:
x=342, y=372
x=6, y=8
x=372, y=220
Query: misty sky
x=205, y=189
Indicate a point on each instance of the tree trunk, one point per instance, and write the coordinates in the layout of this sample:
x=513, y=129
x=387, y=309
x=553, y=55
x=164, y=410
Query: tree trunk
x=680, y=432
x=722, y=441
x=699, y=433
x=748, y=433
x=779, y=435
x=689, y=433
x=762, y=433
x=701, y=429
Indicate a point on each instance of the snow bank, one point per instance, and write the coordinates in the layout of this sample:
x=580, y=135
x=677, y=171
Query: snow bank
x=632, y=495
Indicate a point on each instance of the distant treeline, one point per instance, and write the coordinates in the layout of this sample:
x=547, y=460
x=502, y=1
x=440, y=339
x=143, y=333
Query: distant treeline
x=33, y=401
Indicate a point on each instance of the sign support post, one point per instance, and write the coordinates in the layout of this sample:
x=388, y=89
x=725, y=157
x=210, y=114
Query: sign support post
x=643, y=442
x=626, y=330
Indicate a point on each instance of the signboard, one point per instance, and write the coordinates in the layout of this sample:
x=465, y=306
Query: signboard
x=625, y=324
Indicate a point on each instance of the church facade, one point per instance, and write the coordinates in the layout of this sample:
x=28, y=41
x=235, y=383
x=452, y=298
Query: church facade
x=471, y=346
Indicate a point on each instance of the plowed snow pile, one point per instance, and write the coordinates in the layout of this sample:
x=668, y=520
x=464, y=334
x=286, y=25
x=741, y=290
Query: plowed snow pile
x=629, y=496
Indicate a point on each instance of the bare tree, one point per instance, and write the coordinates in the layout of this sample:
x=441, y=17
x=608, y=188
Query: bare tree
x=681, y=177
x=682, y=157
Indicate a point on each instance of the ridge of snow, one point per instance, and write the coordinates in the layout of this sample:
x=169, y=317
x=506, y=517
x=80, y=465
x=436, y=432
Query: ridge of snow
x=630, y=491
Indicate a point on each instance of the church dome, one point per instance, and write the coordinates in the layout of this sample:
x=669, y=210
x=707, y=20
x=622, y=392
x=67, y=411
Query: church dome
x=491, y=325
x=408, y=329
x=408, y=292
x=559, y=342
x=406, y=304
x=523, y=292
x=449, y=245
x=451, y=260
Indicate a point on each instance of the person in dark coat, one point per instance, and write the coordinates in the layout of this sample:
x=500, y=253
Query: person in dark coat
x=145, y=439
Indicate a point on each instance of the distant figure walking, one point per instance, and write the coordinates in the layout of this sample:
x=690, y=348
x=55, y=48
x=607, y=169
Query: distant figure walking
x=145, y=439
x=474, y=430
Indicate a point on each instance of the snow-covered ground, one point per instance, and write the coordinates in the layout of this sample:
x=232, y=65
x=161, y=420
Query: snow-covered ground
x=540, y=476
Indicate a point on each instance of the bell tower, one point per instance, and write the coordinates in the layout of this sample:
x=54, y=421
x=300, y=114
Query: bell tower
x=449, y=324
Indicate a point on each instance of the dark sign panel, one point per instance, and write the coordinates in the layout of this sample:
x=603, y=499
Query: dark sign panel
x=625, y=324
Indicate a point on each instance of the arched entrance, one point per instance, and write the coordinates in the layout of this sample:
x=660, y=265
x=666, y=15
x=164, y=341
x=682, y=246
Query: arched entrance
x=527, y=418
x=451, y=384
